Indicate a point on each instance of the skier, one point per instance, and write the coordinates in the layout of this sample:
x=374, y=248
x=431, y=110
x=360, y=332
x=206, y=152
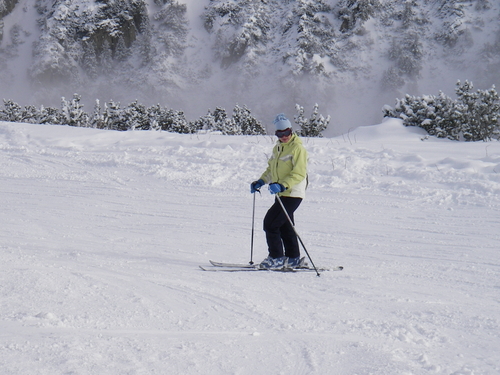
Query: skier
x=286, y=175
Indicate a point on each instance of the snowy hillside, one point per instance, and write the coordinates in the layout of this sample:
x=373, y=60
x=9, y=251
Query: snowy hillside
x=103, y=232
x=195, y=55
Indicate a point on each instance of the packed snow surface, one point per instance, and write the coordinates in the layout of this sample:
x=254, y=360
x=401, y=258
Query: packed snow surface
x=102, y=234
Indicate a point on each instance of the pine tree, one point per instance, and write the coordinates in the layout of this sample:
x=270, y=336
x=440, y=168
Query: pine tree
x=223, y=124
x=241, y=31
x=173, y=121
x=72, y=112
x=136, y=117
x=49, y=115
x=57, y=51
x=407, y=55
x=76, y=35
x=154, y=113
x=315, y=38
x=172, y=26
x=6, y=6
x=313, y=126
x=205, y=123
x=248, y=124
x=96, y=121
x=30, y=114
x=488, y=110
x=453, y=27
x=354, y=13
x=179, y=123
x=143, y=50
x=12, y=112
x=406, y=49
x=122, y=52
x=474, y=116
x=447, y=124
x=480, y=112
x=113, y=118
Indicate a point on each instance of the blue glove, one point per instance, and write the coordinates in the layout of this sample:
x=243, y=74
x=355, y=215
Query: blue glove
x=256, y=185
x=276, y=188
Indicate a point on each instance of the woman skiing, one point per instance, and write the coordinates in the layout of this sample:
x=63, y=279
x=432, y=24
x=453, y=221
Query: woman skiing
x=286, y=175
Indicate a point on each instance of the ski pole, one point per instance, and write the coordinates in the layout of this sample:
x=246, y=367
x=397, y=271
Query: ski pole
x=253, y=226
x=293, y=226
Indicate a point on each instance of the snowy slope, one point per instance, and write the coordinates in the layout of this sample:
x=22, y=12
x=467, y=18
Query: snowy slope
x=103, y=232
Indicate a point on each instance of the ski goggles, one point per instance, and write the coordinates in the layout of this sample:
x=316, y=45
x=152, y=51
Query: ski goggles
x=283, y=133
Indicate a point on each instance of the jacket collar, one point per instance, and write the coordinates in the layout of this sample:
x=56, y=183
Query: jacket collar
x=292, y=140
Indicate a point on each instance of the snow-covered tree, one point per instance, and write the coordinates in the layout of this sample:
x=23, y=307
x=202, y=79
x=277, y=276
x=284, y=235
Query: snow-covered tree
x=93, y=38
x=480, y=112
x=406, y=49
x=241, y=123
x=222, y=123
x=313, y=126
x=113, y=117
x=136, y=116
x=474, y=116
x=241, y=31
x=436, y=114
x=6, y=6
x=173, y=121
x=96, y=120
x=205, y=122
x=49, y=115
x=30, y=114
x=154, y=114
x=122, y=52
x=171, y=26
x=72, y=112
x=354, y=13
x=11, y=112
x=179, y=123
x=453, y=29
x=407, y=54
x=244, y=120
x=315, y=38
x=56, y=52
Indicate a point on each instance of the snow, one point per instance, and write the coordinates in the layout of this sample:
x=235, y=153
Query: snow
x=103, y=232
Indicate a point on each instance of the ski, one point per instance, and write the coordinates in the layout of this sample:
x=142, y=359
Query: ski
x=253, y=267
x=235, y=265
x=243, y=269
x=228, y=269
x=246, y=267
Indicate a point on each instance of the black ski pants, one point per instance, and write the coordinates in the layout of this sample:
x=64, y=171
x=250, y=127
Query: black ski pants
x=279, y=231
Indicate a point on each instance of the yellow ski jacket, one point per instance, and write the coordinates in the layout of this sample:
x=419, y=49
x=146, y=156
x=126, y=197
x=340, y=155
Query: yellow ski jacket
x=288, y=166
